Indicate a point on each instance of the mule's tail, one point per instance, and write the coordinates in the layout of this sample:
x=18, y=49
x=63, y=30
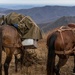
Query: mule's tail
x=0, y=50
x=51, y=54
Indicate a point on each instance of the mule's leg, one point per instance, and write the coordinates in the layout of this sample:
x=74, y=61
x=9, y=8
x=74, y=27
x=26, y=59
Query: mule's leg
x=60, y=64
x=74, y=65
x=0, y=68
x=16, y=62
x=0, y=62
x=6, y=64
x=7, y=60
x=0, y=51
x=22, y=57
x=19, y=58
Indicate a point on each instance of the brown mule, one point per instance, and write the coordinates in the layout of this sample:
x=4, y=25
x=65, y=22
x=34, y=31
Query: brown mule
x=61, y=43
x=10, y=41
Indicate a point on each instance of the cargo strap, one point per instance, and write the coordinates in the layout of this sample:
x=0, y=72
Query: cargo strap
x=60, y=30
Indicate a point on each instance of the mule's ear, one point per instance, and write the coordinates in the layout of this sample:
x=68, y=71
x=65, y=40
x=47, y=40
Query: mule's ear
x=71, y=25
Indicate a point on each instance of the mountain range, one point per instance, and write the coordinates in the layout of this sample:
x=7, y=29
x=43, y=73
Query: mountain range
x=47, y=17
x=45, y=14
x=63, y=21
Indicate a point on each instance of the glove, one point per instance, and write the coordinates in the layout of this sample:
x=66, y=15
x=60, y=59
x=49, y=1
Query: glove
x=15, y=25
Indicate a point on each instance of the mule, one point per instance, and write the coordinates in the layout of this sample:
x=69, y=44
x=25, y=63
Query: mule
x=10, y=41
x=61, y=42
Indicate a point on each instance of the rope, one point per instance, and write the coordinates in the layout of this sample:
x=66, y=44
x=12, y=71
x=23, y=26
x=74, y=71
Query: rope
x=60, y=30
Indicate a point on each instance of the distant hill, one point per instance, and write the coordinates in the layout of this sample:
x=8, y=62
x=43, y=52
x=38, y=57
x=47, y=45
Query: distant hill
x=46, y=14
x=3, y=9
x=19, y=6
x=59, y=22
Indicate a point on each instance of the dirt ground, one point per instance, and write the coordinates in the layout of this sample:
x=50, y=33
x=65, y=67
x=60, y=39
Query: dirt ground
x=39, y=69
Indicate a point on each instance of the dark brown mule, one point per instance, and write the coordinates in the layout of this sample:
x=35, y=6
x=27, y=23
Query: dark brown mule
x=61, y=43
x=10, y=41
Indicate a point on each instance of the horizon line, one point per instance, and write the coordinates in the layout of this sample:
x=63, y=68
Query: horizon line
x=37, y=4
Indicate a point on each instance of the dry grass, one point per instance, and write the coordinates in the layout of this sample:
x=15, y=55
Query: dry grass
x=39, y=69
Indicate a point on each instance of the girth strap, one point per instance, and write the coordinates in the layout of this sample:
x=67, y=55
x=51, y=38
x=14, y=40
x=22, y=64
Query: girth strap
x=65, y=51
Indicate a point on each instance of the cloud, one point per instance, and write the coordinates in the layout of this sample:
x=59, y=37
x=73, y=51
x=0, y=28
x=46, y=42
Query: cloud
x=49, y=2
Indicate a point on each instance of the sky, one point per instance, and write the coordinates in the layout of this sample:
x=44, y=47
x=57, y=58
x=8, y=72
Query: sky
x=44, y=2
